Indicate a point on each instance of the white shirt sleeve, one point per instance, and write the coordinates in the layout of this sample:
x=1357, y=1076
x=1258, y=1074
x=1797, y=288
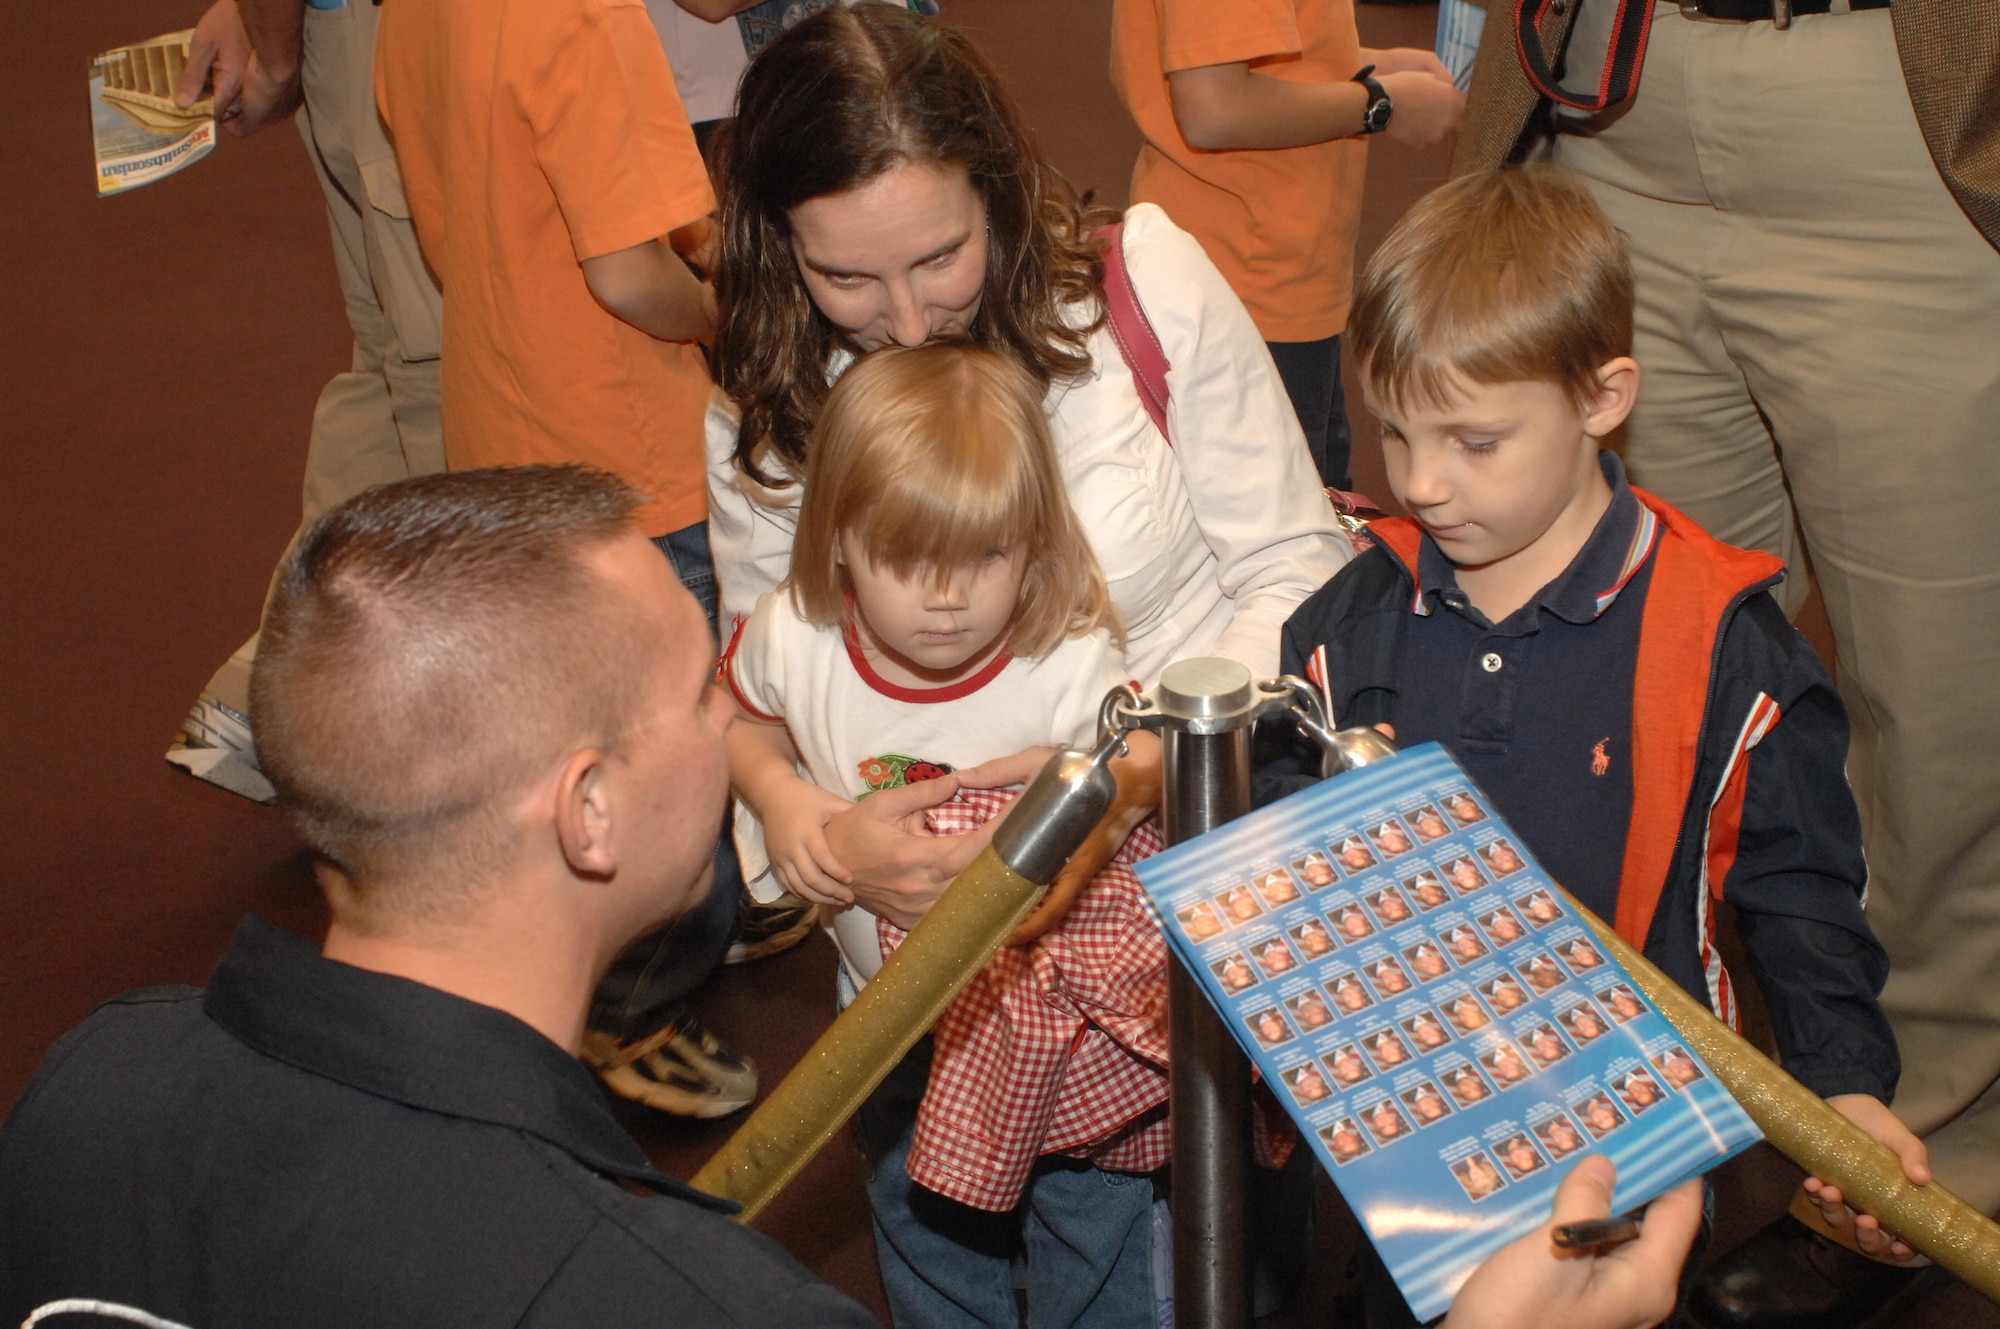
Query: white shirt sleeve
x=754, y=668
x=750, y=527
x=754, y=665
x=1089, y=667
x=1244, y=465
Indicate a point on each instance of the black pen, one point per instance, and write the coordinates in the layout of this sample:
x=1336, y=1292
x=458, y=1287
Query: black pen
x=1597, y=1233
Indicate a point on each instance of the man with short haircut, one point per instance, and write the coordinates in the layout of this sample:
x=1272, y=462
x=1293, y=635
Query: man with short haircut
x=485, y=698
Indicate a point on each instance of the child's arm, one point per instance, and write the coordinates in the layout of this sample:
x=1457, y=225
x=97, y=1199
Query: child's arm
x=1796, y=883
x=1138, y=774
x=649, y=287
x=1230, y=107
x=764, y=770
x=700, y=244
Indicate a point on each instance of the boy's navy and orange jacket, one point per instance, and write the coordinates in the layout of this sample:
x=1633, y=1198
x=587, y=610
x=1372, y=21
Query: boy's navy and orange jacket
x=1739, y=747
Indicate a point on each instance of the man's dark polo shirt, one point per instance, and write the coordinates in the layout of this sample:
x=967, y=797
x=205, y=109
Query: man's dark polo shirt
x=312, y=1144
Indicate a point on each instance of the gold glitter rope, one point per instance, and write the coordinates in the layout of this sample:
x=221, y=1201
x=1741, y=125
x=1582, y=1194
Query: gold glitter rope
x=947, y=948
x=1802, y=1127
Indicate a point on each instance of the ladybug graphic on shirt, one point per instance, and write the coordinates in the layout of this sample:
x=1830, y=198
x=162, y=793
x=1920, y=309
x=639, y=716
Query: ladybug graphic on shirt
x=892, y=770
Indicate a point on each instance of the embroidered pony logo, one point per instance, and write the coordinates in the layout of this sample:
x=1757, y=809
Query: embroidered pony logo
x=1600, y=760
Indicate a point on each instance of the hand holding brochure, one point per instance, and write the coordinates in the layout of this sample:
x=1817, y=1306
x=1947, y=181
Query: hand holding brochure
x=138, y=133
x=1446, y=1034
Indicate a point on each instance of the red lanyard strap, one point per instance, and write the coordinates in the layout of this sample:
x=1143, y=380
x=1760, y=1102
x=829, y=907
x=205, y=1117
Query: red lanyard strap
x=1622, y=62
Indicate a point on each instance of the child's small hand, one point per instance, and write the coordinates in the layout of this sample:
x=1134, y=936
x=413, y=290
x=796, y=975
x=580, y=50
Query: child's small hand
x=795, y=839
x=1872, y=1115
x=1427, y=108
x=1406, y=60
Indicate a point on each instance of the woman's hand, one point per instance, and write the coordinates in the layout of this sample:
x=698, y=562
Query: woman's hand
x=896, y=868
x=1871, y=1114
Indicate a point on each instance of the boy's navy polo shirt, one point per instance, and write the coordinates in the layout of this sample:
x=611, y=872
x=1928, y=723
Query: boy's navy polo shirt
x=1538, y=708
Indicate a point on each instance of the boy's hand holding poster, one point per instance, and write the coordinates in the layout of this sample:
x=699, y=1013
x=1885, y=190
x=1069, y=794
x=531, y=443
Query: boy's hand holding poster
x=1447, y=1035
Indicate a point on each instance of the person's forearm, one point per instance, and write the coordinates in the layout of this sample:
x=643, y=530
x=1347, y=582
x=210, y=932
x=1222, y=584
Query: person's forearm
x=277, y=34
x=714, y=11
x=762, y=762
x=648, y=287
x=1230, y=107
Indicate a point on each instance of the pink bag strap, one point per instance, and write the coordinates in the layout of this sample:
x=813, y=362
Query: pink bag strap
x=1147, y=359
x=1133, y=331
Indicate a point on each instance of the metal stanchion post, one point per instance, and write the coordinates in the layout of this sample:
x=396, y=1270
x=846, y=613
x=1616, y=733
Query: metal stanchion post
x=1206, y=708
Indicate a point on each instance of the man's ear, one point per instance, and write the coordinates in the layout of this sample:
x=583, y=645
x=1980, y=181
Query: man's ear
x=584, y=814
x=1617, y=393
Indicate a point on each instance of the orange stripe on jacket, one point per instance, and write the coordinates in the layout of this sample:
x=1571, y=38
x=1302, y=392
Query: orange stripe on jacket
x=1695, y=578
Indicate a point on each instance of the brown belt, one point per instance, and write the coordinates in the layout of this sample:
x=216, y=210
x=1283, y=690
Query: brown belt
x=1780, y=12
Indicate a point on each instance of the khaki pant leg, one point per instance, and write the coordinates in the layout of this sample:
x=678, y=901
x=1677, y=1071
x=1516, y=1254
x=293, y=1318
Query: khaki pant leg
x=1861, y=310
x=378, y=422
x=1697, y=436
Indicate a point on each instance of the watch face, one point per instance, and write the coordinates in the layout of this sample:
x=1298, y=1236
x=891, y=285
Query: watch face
x=1379, y=112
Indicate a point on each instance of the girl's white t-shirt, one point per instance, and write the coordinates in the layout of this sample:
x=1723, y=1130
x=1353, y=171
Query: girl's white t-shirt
x=856, y=732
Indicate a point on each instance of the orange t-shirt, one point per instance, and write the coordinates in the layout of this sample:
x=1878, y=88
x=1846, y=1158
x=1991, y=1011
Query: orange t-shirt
x=533, y=134
x=1280, y=223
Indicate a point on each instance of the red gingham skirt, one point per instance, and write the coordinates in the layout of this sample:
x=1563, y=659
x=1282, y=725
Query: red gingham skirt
x=1059, y=1047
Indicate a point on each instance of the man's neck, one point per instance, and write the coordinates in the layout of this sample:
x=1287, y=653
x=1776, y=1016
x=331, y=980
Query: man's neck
x=502, y=960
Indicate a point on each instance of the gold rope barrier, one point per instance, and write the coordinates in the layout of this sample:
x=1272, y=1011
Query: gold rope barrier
x=941, y=955
x=1805, y=1129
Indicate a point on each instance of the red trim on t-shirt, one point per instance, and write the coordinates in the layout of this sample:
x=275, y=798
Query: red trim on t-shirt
x=725, y=669
x=965, y=687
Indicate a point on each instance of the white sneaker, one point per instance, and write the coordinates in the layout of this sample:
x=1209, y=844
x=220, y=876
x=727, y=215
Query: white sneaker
x=215, y=744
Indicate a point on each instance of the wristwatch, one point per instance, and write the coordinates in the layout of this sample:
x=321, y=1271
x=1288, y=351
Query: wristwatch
x=1376, y=118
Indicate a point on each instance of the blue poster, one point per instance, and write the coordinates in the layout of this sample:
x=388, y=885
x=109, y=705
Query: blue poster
x=1446, y=1032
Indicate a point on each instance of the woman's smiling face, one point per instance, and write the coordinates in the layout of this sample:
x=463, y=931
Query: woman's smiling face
x=897, y=260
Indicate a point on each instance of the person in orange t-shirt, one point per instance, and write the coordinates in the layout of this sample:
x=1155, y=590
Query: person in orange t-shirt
x=1255, y=114
x=554, y=182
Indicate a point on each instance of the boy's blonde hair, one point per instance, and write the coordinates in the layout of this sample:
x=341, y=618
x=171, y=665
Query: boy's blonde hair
x=1503, y=276
x=933, y=456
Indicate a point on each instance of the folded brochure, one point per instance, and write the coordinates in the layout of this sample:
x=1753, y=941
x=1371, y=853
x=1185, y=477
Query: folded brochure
x=1448, y=1036
x=137, y=132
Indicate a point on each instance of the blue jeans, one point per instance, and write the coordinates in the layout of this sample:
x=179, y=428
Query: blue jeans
x=1311, y=374
x=1081, y=1237
x=659, y=969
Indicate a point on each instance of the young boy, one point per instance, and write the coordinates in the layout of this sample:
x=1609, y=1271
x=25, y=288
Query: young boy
x=1616, y=680
x=1255, y=115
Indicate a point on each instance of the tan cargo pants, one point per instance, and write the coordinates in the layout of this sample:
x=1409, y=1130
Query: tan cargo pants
x=379, y=421
x=1819, y=329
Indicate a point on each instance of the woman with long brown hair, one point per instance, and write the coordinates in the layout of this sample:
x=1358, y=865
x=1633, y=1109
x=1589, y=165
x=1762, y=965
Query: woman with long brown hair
x=879, y=191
